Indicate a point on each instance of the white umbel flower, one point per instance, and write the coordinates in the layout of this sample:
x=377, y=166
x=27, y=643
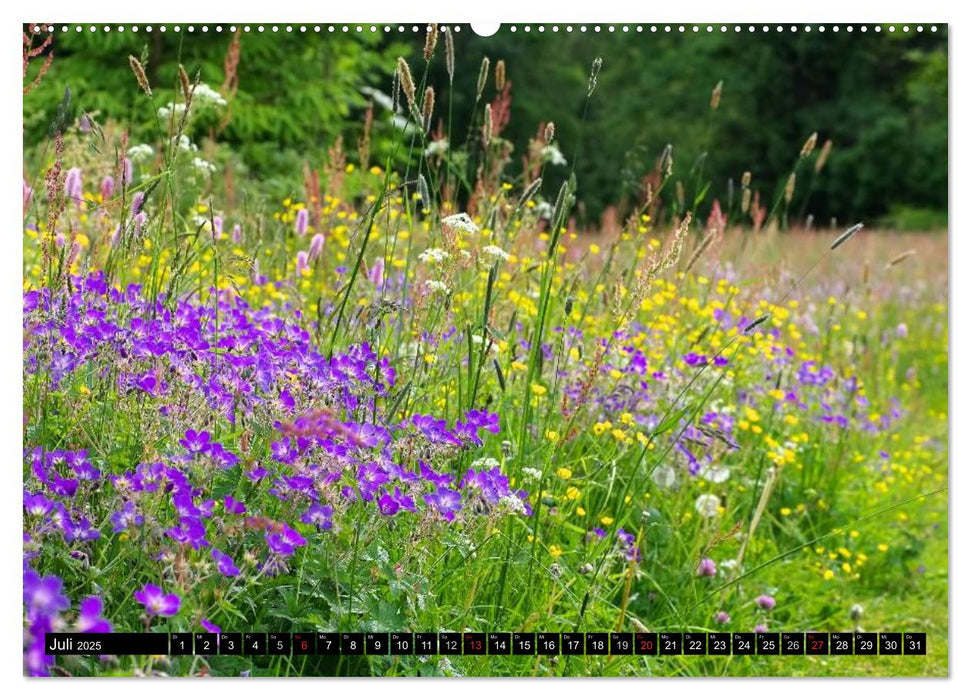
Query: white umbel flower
x=436, y=286
x=530, y=474
x=433, y=255
x=141, y=152
x=494, y=252
x=166, y=111
x=485, y=463
x=460, y=222
x=184, y=143
x=205, y=94
x=203, y=165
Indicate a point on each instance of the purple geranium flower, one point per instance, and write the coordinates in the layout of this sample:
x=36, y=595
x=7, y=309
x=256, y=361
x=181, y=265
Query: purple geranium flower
x=233, y=507
x=196, y=443
x=210, y=627
x=43, y=596
x=89, y=618
x=157, y=602
x=225, y=564
x=694, y=360
x=286, y=542
x=82, y=530
x=389, y=504
x=126, y=517
x=318, y=515
x=447, y=501
x=36, y=504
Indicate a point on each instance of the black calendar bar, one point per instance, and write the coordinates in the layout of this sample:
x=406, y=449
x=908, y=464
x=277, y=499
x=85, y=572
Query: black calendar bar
x=113, y=643
x=488, y=643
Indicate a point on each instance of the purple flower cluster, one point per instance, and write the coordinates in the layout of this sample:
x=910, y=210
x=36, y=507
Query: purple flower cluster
x=44, y=603
x=236, y=359
x=60, y=476
x=201, y=370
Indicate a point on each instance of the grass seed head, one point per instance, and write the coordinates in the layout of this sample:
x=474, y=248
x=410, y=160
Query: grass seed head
x=186, y=84
x=790, y=187
x=530, y=191
x=431, y=39
x=673, y=253
x=449, y=54
x=483, y=76
x=407, y=84
x=427, y=107
x=845, y=236
x=549, y=133
x=139, y=70
x=823, y=155
x=666, y=161
x=426, y=200
x=756, y=323
x=716, y=95
x=897, y=259
x=809, y=146
x=487, y=125
x=594, y=72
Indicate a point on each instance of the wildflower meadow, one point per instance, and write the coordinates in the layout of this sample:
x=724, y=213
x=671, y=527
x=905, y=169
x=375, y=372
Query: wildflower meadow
x=414, y=385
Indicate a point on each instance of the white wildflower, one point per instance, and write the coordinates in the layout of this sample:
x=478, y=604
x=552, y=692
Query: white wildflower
x=478, y=340
x=437, y=286
x=530, y=474
x=707, y=505
x=485, y=463
x=184, y=143
x=436, y=148
x=204, y=94
x=203, y=165
x=460, y=222
x=433, y=255
x=553, y=156
x=141, y=152
x=166, y=111
x=494, y=252
x=544, y=210
x=666, y=477
x=512, y=504
x=716, y=474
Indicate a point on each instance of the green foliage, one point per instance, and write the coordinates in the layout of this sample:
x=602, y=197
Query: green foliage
x=881, y=98
x=906, y=218
x=296, y=92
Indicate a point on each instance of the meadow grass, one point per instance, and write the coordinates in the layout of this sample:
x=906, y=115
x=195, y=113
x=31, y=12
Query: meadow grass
x=371, y=408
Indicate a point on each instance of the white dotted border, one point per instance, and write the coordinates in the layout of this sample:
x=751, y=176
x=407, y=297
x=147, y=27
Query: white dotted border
x=555, y=28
